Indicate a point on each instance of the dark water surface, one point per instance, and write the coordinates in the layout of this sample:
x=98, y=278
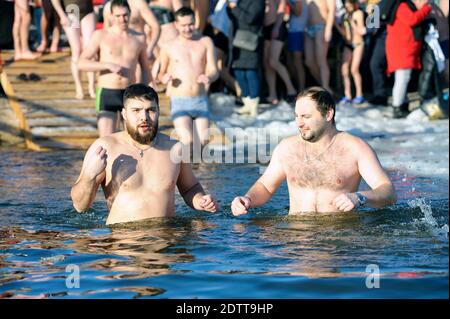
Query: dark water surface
x=267, y=254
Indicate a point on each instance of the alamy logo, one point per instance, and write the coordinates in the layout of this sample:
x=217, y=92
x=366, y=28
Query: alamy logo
x=73, y=278
x=73, y=12
x=373, y=19
x=373, y=279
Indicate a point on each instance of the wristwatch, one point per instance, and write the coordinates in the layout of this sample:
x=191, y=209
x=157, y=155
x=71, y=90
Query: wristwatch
x=362, y=200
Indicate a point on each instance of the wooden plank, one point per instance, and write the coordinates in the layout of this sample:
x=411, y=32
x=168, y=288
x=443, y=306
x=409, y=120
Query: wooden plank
x=17, y=109
x=79, y=131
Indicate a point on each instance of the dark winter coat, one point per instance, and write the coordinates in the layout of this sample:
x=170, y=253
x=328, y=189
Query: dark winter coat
x=248, y=15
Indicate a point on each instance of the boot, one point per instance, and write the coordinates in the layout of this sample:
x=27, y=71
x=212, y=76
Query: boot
x=401, y=111
x=246, y=108
x=254, y=107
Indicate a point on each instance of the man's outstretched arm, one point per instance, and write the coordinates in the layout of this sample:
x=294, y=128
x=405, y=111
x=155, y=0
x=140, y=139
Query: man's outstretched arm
x=192, y=191
x=92, y=175
x=264, y=188
x=382, y=192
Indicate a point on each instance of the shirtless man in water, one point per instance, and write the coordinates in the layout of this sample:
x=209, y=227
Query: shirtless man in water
x=321, y=15
x=120, y=50
x=323, y=166
x=136, y=168
x=188, y=66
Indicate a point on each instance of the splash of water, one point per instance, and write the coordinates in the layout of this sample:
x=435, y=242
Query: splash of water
x=428, y=218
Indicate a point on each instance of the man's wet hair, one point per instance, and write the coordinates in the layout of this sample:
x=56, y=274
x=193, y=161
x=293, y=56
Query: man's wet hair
x=322, y=97
x=120, y=3
x=141, y=92
x=183, y=12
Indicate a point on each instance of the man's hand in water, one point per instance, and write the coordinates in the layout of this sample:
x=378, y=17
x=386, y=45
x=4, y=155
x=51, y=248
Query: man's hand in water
x=166, y=79
x=115, y=68
x=346, y=202
x=240, y=205
x=209, y=204
x=96, y=163
x=203, y=79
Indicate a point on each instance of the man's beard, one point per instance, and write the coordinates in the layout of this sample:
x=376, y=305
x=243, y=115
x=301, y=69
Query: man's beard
x=313, y=135
x=146, y=138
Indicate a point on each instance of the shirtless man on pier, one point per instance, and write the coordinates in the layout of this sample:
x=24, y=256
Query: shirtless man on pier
x=120, y=50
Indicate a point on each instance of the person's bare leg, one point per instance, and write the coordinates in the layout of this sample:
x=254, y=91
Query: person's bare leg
x=106, y=123
x=44, y=32
x=201, y=126
x=310, y=58
x=56, y=35
x=345, y=71
x=270, y=74
x=24, y=32
x=184, y=129
x=300, y=68
x=87, y=29
x=321, y=56
x=356, y=62
x=200, y=136
x=225, y=74
x=16, y=32
x=74, y=37
x=274, y=62
x=183, y=126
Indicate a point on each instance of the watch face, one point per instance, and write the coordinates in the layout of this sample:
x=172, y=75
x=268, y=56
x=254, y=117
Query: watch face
x=361, y=199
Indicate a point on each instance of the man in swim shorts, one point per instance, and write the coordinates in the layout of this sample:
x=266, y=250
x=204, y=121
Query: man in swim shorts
x=323, y=167
x=321, y=15
x=120, y=50
x=188, y=66
x=140, y=16
x=136, y=167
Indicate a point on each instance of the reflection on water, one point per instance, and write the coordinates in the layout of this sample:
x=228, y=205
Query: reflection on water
x=263, y=255
x=130, y=251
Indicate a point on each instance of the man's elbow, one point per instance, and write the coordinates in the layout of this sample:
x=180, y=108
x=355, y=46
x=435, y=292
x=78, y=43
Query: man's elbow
x=393, y=198
x=79, y=209
x=392, y=195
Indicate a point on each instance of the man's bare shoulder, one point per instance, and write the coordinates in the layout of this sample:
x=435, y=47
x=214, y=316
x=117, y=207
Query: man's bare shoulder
x=288, y=143
x=100, y=33
x=108, y=141
x=170, y=45
x=356, y=144
x=206, y=40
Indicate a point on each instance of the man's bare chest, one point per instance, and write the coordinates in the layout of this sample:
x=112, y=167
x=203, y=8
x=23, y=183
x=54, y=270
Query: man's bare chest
x=331, y=171
x=129, y=172
x=194, y=55
x=119, y=49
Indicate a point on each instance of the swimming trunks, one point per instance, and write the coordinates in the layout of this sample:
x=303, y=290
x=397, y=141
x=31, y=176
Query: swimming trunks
x=163, y=15
x=312, y=29
x=352, y=46
x=194, y=107
x=110, y=100
x=85, y=7
x=296, y=41
x=282, y=33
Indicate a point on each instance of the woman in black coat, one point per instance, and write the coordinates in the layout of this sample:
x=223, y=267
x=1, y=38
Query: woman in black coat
x=248, y=15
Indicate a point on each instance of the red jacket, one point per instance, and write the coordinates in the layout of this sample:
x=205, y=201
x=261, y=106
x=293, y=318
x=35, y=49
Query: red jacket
x=402, y=50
